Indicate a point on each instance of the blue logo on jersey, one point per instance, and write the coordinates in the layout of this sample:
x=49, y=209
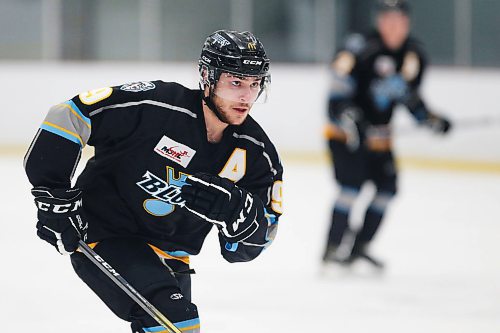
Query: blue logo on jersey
x=388, y=90
x=166, y=194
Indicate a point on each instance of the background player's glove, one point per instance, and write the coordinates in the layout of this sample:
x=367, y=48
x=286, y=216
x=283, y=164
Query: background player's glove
x=438, y=124
x=348, y=122
x=219, y=201
x=60, y=220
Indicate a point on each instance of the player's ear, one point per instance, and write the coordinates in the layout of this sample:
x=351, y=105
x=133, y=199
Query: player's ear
x=204, y=78
x=204, y=75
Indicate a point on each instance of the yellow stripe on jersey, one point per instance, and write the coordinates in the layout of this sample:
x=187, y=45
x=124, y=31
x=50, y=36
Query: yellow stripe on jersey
x=165, y=255
x=75, y=113
x=72, y=134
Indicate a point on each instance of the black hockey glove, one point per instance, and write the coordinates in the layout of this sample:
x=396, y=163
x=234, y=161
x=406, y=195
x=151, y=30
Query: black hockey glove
x=60, y=220
x=219, y=201
x=438, y=124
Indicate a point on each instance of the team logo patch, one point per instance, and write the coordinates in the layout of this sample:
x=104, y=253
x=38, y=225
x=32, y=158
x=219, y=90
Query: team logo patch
x=165, y=193
x=174, y=151
x=385, y=66
x=138, y=86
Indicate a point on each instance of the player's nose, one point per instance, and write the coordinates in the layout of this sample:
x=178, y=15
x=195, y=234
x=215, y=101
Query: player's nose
x=246, y=95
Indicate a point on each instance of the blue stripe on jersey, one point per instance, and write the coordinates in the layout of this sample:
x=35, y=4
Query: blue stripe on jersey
x=77, y=110
x=66, y=135
x=178, y=253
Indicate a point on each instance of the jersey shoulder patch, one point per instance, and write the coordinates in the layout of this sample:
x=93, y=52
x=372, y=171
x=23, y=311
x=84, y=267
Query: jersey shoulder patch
x=138, y=86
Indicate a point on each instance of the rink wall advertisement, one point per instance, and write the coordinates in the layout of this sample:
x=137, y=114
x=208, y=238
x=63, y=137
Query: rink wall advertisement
x=293, y=117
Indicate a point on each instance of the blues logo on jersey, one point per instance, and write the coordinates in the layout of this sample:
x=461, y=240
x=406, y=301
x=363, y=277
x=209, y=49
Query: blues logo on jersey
x=165, y=193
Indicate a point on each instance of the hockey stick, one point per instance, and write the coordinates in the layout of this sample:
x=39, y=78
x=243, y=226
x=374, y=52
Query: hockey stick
x=127, y=288
x=458, y=124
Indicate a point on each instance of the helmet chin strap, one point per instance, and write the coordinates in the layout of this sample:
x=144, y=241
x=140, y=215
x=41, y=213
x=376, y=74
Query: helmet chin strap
x=211, y=105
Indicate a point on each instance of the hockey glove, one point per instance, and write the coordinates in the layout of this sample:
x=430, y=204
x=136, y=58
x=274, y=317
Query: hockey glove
x=60, y=220
x=219, y=201
x=438, y=124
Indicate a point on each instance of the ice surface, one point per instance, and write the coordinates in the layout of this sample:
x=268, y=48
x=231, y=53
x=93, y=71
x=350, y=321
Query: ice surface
x=440, y=240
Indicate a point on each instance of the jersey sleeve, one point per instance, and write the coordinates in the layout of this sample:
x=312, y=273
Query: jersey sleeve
x=413, y=69
x=69, y=126
x=344, y=76
x=266, y=183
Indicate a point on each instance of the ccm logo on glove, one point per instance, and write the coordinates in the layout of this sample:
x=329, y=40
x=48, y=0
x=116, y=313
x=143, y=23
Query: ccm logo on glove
x=61, y=220
x=59, y=209
x=244, y=212
x=217, y=200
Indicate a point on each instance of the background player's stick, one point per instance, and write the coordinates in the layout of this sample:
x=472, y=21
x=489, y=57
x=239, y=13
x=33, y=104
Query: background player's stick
x=458, y=124
x=475, y=122
x=127, y=288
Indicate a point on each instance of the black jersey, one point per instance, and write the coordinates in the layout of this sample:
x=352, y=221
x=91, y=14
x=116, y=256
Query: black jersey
x=148, y=136
x=374, y=79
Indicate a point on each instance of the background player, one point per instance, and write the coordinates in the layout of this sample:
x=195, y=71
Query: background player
x=170, y=162
x=372, y=74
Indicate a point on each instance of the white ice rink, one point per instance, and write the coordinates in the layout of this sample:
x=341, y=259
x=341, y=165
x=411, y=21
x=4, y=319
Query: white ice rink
x=440, y=240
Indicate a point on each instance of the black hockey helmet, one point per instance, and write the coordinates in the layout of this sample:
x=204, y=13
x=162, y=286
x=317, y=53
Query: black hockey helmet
x=238, y=53
x=393, y=5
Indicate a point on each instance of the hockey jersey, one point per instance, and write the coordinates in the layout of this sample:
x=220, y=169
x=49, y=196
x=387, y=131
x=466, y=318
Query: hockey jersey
x=148, y=137
x=369, y=76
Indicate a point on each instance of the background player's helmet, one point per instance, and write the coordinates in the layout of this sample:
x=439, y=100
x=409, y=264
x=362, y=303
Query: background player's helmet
x=238, y=53
x=396, y=5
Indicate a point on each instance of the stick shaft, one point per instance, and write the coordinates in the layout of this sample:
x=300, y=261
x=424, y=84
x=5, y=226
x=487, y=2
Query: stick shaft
x=127, y=288
x=458, y=124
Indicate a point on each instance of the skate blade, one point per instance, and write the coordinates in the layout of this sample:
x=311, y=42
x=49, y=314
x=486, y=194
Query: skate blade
x=334, y=270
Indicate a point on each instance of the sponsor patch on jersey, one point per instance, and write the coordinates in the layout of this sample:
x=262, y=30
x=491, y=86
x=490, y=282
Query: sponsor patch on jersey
x=138, y=86
x=174, y=151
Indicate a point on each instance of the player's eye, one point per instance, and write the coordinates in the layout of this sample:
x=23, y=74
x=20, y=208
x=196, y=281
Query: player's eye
x=255, y=85
x=236, y=83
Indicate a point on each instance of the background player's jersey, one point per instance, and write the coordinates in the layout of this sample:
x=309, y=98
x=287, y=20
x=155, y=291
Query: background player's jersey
x=369, y=76
x=148, y=136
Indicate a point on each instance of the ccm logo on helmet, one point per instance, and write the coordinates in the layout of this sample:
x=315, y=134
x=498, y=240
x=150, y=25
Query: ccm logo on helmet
x=252, y=62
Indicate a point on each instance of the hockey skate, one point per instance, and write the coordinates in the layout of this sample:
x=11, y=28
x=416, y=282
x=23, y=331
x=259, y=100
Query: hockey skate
x=335, y=254
x=360, y=252
x=334, y=263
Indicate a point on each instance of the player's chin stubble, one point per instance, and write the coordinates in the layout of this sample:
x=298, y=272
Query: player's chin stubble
x=224, y=115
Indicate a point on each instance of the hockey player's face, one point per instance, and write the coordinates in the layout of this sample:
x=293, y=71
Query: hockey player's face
x=234, y=97
x=394, y=28
x=242, y=89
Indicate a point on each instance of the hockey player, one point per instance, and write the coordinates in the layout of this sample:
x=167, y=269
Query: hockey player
x=371, y=75
x=170, y=162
